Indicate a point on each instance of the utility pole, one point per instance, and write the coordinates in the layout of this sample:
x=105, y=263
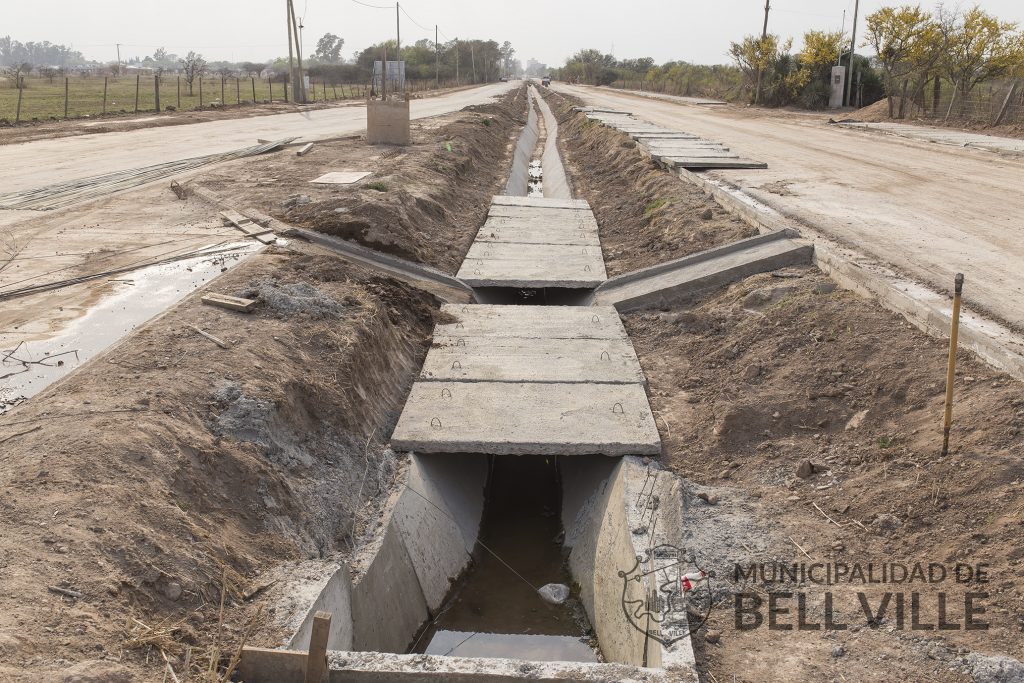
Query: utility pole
x=291, y=54
x=853, y=44
x=456, y=62
x=299, y=89
x=764, y=37
x=398, y=47
x=472, y=58
x=437, y=61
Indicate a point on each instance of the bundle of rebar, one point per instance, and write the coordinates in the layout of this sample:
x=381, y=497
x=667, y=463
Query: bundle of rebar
x=60, y=195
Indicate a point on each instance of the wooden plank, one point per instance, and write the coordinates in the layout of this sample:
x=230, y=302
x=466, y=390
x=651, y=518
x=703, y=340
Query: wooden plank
x=249, y=227
x=233, y=303
x=316, y=657
x=264, y=665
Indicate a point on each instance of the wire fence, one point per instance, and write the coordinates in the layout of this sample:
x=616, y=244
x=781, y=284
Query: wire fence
x=991, y=103
x=35, y=99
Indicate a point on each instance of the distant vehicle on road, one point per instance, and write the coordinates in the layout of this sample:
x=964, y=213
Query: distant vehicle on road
x=546, y=80
x=504, y=79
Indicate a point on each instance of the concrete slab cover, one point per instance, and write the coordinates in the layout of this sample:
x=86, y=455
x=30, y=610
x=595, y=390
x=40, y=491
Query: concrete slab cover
x=666, y=135
x=532, y=322
x=520, y=234
x=543, y=202
x=515, y=359
x=550, y=220
x=498, y=264
x=538, y=212
x=517, y=419
x=341, y=177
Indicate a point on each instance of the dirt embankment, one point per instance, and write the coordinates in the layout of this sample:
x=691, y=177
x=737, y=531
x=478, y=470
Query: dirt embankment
x=753, y=382
x=879, y=112
x=424, y=202
x=169, y=467
x=645, y=214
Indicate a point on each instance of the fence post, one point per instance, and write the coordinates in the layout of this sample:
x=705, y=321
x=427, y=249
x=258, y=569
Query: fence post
x=286, y=91
x=238, y=91
x=334, y=89
x=156, y=92
x=21, y=89
x=325, y=91
x=138, y=78
x=253, y=89
x=104, y=94
x=223, y=99
x=200, y=91
x=66, y=97
x=270, y=82
x=179, y=93
x=1006, y=104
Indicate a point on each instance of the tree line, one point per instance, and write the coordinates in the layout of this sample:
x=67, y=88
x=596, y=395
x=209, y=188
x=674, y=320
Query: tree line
x=914, y=50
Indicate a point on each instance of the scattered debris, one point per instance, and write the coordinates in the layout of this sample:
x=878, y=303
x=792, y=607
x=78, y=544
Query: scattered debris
x=304, y=150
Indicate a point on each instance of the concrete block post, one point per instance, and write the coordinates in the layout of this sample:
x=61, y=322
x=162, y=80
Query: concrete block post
x=387, y=122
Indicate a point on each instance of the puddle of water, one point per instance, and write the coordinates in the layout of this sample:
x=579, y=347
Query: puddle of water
x=139, y=296
x=540, y=648
x=499, y=609
x=535, y=185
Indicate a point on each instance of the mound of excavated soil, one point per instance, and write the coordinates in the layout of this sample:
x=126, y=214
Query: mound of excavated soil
x=169, y=468
x=646, y=215
x=426, y=202
x=792, y=392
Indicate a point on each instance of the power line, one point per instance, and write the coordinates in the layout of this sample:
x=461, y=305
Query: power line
x=413, y=20
x=366, y=4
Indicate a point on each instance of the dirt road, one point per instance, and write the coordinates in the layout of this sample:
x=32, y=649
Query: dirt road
x=43, y=162
x=925, y=209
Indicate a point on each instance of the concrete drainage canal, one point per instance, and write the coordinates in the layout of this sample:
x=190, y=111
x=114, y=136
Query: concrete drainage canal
x=530, y=538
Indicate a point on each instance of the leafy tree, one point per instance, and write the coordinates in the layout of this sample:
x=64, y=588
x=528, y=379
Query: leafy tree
x=328, y=48
x=192, y=65
x=978, y=47
x=253, y=69
x=908, y=42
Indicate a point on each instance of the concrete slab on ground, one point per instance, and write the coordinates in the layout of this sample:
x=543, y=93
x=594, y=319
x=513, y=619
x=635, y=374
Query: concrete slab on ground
x=516, y=359
x=562, y=220
x=531, y=322
x=705, y=162
x=666, y=135
x=505, y=418
x=683, y=277
x=498, y=264
x=543, y=202
x=694, y=153
x=341, y=177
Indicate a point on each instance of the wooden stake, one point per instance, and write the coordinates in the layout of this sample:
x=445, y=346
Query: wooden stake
x=209, y=336
x=954, y=331
x=316, y=656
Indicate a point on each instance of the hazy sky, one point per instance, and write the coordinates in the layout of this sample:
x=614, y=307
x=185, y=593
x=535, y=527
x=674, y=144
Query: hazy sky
x=692, y=30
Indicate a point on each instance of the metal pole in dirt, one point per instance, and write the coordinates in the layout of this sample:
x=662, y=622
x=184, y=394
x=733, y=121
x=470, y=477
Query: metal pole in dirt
x=954, y=331
x=65, y=97
x=156, y=92
x=764, y=37
x=138, y=80
x=853, y=46
x=21, y=89
x=104, y=94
